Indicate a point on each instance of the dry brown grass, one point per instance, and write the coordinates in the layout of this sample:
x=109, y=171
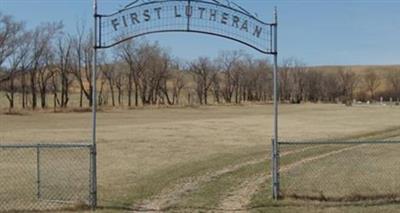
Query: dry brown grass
x=143, y=151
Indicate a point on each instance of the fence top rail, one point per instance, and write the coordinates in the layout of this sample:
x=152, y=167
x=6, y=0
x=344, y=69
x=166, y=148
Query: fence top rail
x=335, y=142
x=16, y=146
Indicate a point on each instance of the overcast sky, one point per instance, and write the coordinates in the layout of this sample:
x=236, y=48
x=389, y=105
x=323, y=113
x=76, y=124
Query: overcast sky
x=318, y=32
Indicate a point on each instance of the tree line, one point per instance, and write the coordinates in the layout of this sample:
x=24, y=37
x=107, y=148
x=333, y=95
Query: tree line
x=46, y=67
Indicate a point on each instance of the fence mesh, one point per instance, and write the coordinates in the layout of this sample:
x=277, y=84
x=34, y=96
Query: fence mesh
x=340, y=172
x=44, y=177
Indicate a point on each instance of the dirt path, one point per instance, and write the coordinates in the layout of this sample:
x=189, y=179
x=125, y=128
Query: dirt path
x=172, y=195
x=239, y=199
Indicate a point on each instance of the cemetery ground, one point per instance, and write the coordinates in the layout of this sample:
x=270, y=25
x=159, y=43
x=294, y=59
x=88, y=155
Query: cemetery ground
x=217, y=158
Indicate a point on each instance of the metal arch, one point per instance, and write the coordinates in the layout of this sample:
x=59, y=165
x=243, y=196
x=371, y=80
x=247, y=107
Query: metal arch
x=138, y=4
x=190, y=31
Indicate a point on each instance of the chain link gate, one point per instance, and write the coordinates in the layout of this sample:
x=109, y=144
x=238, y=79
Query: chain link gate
x=338, y=171
x=45, y=177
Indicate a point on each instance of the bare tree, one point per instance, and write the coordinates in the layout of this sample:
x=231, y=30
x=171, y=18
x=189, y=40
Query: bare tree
x=78, y=55
x=227, y=62
x=64, y=67
x=159, y=73
x=101, y=96
x=148, y=66
x=24, y=88
x=45, y=73
x=109, y=73
x=284, y=85
x=331, y=90
x=260, y=85
x=237, y=79
x=293, y=80
x=127, y=53
x=216, y=87
x=348, y=82
x=54, y=89
x=372, y=81
x=203, y=72
x=313, y=86
x=245, y=81
x=83, y=48
x=178, y=83
x=42, y=37
x=393, y=78
x=17, y=62
x=120, y=80
x=9, y=36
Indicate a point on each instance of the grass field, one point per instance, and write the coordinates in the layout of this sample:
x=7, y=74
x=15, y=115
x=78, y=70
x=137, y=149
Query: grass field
x=216, y=158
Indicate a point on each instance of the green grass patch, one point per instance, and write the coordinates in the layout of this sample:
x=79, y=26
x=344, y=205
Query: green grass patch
x=152, y=184
x=209, y=194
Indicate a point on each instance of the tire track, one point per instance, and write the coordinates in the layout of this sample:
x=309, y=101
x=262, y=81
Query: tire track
x=239, y=199
x=235, y=201
x=171, y=196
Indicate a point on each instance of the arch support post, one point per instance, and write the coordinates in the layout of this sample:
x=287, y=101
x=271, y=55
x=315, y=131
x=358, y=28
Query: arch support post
x=275, y=142
x=93, y=152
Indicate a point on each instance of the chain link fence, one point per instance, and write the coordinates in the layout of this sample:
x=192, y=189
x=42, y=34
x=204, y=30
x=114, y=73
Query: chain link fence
x=340, y=171
x=45, y=177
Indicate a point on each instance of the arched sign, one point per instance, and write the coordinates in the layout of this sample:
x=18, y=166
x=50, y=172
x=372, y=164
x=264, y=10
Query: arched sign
x=213, y=17
x=224, y=19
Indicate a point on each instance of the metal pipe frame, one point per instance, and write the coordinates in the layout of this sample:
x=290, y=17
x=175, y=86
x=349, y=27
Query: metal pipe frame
x=275, y=142
x=93, y=182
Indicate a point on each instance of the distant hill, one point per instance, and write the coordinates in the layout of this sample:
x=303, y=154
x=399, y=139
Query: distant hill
x=357, y=67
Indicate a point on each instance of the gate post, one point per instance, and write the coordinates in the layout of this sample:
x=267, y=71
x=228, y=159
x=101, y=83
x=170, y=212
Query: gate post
x=275, y=146
x=92, y=174
x=273, y=173
x=275, y=170
x=93, y=151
